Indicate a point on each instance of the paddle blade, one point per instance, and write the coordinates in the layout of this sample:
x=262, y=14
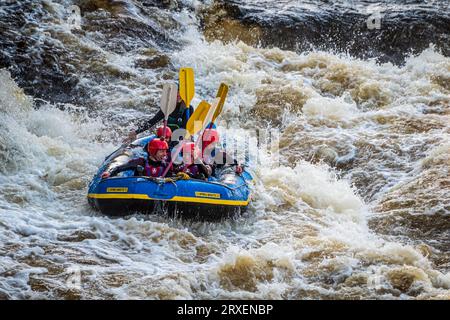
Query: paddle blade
x=187, y=89
x=206, y=120
x=213, y=111
x=198, y=117
x=222, y=94
x=168, y=99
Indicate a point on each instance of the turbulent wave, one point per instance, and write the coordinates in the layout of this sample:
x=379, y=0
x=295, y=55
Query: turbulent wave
x=355, y=204
x=386, y=30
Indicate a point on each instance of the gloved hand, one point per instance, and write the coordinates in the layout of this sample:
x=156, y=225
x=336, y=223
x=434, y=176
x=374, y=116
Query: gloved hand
x=183, y=175
x=105, y=175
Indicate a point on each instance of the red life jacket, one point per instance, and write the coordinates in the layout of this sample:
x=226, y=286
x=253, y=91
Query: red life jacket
x=155, y=168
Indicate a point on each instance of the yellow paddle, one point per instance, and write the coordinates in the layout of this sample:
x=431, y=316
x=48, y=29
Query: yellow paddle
x=222, y=94
x=187, y=89
x=209, y=118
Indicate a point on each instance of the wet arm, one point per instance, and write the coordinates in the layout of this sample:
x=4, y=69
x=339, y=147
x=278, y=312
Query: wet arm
x=131, y=165
x=203, y=169
x=148, y=124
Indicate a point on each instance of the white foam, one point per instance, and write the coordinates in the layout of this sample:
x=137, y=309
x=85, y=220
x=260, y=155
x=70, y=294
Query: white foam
x=331, y=109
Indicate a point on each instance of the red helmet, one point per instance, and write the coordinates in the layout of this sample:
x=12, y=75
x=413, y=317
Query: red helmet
x=190, y=152
x=209, y=136
x=160, y=131
x=155, y=145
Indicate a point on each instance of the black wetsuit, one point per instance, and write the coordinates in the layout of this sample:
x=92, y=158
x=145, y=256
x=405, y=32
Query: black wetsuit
x=177, y=119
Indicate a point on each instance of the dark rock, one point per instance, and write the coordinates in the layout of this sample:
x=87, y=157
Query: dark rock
x=159, y=61
x=400, y=32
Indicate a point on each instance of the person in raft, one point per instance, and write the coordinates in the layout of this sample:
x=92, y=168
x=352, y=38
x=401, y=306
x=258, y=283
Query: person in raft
x=192, y=165
x=152, y=166
x=177, y=120
x=166, y=136
x=213, y=156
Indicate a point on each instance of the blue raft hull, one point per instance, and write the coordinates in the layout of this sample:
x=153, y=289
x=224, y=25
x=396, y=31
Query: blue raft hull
x=223, y=196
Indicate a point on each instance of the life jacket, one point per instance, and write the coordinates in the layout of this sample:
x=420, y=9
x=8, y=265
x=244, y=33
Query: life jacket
x=154, y=168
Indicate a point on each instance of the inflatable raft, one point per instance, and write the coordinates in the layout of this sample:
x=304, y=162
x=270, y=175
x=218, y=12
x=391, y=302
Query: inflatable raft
x=223, y=195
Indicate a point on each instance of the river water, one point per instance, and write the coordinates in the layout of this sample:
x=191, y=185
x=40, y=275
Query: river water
x=355, y=205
